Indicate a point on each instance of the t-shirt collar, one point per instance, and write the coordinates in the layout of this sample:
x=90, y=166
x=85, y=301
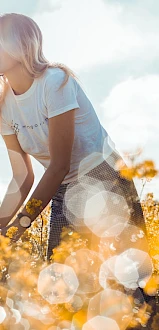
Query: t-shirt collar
x=27, y=93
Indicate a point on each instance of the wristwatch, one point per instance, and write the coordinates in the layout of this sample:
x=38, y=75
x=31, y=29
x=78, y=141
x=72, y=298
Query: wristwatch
x=24, y=220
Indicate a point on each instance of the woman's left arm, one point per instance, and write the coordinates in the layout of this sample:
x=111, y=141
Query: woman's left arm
x=61, y=138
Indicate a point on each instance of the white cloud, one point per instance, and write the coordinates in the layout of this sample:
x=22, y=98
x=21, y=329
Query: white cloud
x=131, y=113
x=83, y=34
x=138, y=96
x=132, y=105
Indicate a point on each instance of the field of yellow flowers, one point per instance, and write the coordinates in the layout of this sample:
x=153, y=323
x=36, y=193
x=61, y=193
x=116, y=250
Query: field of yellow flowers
x=79, y=288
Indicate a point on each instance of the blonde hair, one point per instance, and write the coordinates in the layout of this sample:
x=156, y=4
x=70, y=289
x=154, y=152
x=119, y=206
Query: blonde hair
x=21, y=38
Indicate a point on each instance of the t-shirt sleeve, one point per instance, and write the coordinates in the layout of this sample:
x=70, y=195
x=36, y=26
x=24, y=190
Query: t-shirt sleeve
x=60, y=101
x=5, y=128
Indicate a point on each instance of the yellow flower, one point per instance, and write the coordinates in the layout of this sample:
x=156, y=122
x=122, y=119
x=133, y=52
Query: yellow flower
x=127, y=173
x=11, y=231
x=145, y=169
x=32, y=205
x=71, y=241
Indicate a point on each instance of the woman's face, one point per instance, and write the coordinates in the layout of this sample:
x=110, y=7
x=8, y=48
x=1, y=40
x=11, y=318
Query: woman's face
x=7, y=63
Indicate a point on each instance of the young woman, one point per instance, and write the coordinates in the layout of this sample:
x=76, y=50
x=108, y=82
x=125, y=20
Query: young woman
x=45, y=113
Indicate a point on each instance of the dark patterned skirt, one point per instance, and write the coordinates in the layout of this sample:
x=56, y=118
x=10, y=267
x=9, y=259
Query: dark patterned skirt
x=106, y=174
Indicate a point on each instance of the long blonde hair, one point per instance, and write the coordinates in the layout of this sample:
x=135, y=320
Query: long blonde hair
x=21, y=38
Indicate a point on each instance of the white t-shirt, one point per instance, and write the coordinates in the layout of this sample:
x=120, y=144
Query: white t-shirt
x=27, y=115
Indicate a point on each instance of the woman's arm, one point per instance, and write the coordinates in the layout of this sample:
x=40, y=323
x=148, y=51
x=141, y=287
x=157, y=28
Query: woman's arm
x=61, y=138
x=21, y=183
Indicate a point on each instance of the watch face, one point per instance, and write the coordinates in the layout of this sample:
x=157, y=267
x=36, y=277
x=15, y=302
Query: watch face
x=25, y=221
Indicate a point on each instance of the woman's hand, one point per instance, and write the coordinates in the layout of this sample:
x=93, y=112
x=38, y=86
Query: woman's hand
x=3, y=231
x=17, y=230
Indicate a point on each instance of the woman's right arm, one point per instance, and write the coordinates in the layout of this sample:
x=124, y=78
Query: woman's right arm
x=21, y=182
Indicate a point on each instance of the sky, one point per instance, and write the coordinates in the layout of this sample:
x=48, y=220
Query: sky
x=113, y=47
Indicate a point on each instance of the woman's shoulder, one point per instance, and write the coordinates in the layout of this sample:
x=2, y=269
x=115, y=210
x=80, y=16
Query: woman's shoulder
x=54, y=78
x=54, y=73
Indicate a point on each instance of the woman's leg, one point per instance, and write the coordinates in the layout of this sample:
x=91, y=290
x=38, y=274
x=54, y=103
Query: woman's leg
x=131, y=196
x=111, y=179
x=57, y=219
x=106, y=172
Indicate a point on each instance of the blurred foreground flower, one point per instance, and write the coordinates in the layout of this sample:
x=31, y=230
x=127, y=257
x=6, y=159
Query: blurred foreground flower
x=145, y=170
x=28, y=299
